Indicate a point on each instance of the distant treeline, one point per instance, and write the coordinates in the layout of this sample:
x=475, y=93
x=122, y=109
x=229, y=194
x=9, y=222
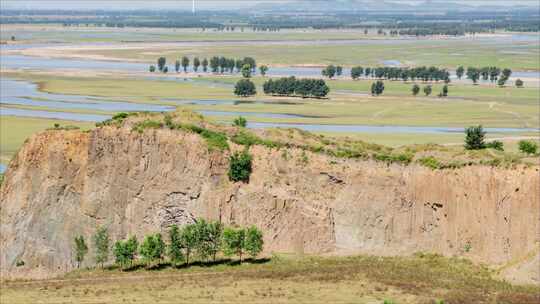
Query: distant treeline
x=392, y=73
x=290, y=86
x=216, y=64
x=398, y=23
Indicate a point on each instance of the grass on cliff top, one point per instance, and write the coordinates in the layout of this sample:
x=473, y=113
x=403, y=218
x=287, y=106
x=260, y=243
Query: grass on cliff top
x=15, y=130
x=218, y=136
x=422, y=278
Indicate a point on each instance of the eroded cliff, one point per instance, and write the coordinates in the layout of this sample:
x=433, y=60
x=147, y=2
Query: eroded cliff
x=65, y=183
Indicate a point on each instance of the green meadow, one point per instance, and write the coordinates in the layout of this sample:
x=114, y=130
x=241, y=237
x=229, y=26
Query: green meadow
x=441, y=53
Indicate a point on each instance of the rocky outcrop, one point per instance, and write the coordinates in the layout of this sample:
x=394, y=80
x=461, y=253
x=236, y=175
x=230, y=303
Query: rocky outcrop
x=65, y=183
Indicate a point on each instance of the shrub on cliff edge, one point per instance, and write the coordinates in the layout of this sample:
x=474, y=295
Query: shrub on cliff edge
x=240, y=166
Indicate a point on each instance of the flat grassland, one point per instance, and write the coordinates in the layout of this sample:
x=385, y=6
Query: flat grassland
x=441, y=53
x=293, y=47
x=15, y=130
x=349, y=103
x=422, y=278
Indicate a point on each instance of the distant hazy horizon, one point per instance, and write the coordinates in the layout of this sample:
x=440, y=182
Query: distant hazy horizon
x=208, y=4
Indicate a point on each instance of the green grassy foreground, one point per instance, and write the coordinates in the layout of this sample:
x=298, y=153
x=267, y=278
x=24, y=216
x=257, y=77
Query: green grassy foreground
x=422, y=278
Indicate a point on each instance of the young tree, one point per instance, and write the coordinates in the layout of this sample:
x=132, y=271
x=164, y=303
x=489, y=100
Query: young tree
x=152, y=68
x=222, y=64
x=444, y=92
x=165, y=70
x=214, y=64
x=506, y=73
x=263, y=69
x=339, y=70
x=233, y=242
x=427, y=90
x=474, y=138
x=177, y=66
x=240, y=166
x=101, y=245
x=245, y=88
x=459, y=72
x=494, y=73
x=188, y=239
x=254, y=241
x=161, y=63
x=377, y=88
x=519, y=83
x=246, y=71
x=205, y=65
x=215, y=232
x=238, y=64
x=202, y=245
x=196, y=64
x=152, y=248
x=81, y=249
x=415, y=89
x=251, y=62
x=329, y=71
x=125, y=251
x=231, y=63
x=175, y=247
x=185, y=63
x=240, y=122
x=356, y=72
x=473, y=74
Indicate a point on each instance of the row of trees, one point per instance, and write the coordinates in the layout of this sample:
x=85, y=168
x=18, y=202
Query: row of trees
x=428, y=90
x=331, y=71
x=290, y=86
x=392, y=73
x=215, y=65
x=377, y=88
x=486, y=73
x=204, y=240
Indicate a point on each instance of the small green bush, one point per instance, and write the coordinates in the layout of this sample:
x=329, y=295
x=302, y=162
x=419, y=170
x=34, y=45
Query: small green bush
x=497, y=145
x=240, y=122
x=215, y=140
x=430, y=162
x=147, y=124
x=240, y=166
x=403, y=158
x=58, y=127
x=245, y=138
x=121, y=115
x=116, y=120
x=528, y=147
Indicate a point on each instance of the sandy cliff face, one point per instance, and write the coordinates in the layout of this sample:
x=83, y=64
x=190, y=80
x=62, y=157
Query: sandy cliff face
x=66, y=183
